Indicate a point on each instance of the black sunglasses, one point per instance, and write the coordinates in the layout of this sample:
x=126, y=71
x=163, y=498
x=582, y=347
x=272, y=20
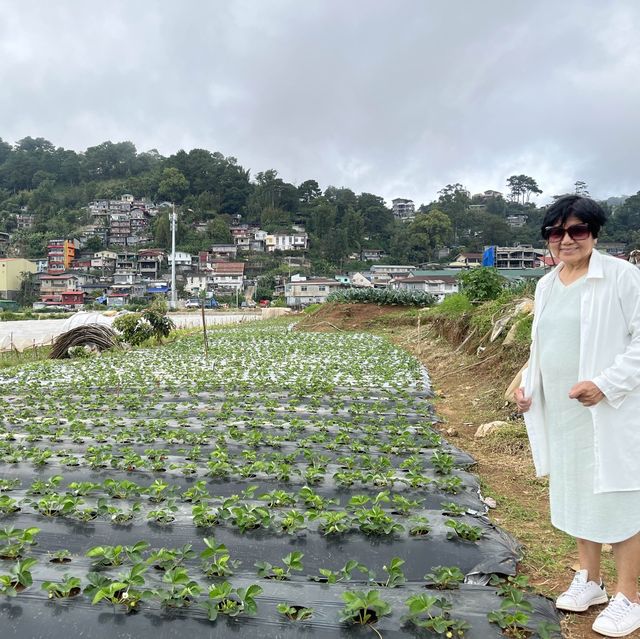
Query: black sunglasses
x=555, y=234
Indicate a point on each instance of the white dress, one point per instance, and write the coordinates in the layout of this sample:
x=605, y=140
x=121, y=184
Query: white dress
x=575, y=508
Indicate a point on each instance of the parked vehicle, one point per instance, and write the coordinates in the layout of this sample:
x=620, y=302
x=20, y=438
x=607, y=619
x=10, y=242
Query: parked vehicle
x=194, y=302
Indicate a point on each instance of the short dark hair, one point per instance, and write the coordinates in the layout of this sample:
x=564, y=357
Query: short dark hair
x=584, y=208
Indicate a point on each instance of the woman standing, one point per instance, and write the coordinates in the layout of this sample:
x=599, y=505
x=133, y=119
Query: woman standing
x=581, y=404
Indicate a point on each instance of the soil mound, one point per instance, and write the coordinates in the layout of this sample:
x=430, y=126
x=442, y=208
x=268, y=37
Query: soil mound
x=345, y=317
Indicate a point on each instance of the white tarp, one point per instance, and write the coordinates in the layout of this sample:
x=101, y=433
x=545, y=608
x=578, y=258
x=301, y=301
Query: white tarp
x=23, y=334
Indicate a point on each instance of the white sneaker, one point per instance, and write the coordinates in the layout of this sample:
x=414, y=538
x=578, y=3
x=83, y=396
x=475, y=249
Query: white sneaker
x=581, y=594
x=620, y=618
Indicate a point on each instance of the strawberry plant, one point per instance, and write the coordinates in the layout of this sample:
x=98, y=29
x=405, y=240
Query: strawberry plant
x=292, y=522
x=375, y=521
x=293, y=561
x=68, y=587
x=419, y=525
x=168, y=559
x=445, y=577
x=442, y=462
x=463, y=531
x=180, y=590
x=126, y=590
x=249, y=517
x=164, y=515
x=224, y=599
x=452, y=509
x=333, y=522
x=197, y=493
x=216, y=561
x=513, y=616
x=8, y=505
x=395, y=575
x=313, y=501
x=62, y=556
x=423, y=613
x=203, y=515
x=42, y=487
x=344, y=574
x=13, y=541
x=278, y=498
x=363, y=607
x=294, y=613
x=9, y=484
x=452, y=485
x=116, y=555
x=19, y=577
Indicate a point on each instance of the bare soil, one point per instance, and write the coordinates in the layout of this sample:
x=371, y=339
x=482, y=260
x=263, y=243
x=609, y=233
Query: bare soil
x=346, y=317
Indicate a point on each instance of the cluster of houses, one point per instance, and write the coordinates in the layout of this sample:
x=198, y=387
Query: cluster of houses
x=69, y=276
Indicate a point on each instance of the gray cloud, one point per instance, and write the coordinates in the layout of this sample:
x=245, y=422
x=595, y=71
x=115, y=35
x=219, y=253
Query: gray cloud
x=395, y=97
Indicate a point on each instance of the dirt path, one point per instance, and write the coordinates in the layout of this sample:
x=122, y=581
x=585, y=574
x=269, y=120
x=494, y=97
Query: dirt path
x=467, y=395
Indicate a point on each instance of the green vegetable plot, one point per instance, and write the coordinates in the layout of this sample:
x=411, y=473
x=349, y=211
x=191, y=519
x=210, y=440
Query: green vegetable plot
x=288, y=480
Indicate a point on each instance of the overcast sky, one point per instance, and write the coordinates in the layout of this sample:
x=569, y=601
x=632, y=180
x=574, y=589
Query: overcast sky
x=393, y=97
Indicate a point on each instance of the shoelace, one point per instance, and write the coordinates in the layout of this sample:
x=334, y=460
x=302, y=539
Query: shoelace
x=616, y=609
x=576, y=588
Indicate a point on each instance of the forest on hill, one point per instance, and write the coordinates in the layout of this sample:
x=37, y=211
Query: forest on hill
x=56, y=184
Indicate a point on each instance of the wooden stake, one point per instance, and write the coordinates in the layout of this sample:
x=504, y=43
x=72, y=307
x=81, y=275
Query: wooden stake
x=204, y=331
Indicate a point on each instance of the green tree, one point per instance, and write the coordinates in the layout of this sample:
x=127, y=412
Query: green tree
x=309, y=191
x=481, y=284
x=454, y=201
x=521, y=187
x=581, y=188
x=28, y=293
x=218, y=231
x=173, y=185
x=162, y=231
x=274, y=219
x=434, y=229
x=94, y=243
x=377, y=218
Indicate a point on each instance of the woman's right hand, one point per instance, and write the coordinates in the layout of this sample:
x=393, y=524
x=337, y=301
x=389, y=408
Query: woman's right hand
x=523, y=403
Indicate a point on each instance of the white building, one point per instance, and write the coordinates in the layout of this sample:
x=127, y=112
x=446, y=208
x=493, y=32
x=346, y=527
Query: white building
x=228, y=275
x=183, y=260
x=302, y=291
x=286, y=242
x=437, y=285
x=403, y=209
x=517, y=256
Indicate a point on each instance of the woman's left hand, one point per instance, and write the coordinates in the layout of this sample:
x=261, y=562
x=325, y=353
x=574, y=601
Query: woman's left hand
x=587, y=393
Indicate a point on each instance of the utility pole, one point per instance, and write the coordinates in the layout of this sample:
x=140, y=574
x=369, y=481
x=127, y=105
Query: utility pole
x=174, y=293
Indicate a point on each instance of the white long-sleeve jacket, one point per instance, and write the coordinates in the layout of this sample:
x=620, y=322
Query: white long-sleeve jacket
x=610, y=358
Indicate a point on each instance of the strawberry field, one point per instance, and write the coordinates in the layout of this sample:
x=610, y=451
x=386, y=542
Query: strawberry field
x=289, y=483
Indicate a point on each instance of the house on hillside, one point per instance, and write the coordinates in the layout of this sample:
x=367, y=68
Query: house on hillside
x=524, y=256
x=302, y=291
x=64, y=289
x=403, y=209
x=372, y=255
x=437, y=285
x=184, y=261
x=11, y=270
x=150, y=263
x=228, y=276
x=467, y=260
x=286, y=242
